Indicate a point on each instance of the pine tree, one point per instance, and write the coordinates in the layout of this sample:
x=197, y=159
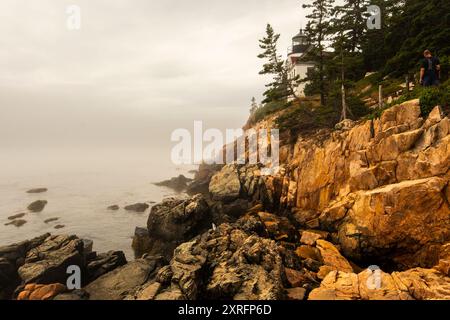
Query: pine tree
x=282, y=86
x=317, y=32
x=347, y=31
x=376, y=50
x=416, y=25
x=349, y=24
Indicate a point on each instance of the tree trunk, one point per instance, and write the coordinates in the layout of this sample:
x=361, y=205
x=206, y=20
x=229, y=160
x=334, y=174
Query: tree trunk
x=380, y=97
x=344, y=104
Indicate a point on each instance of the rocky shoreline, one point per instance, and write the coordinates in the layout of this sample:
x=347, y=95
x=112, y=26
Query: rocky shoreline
x=368, y=193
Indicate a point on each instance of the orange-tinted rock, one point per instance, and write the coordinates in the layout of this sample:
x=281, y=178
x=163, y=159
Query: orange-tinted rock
x=332, y=257
x=414, y=284
x=41, y=292
x=310, y=238
x=308, y=252
x=295, y=278
x=296, y=293
x=406, y=216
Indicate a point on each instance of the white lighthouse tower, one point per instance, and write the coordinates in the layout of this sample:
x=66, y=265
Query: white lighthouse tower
x=297, y=63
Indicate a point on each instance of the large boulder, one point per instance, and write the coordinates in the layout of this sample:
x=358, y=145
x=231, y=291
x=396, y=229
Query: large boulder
x=142, y=243
x=226, y=264
x=225, y=185
x=202, y=178
x=116, y=285
x=48, y=262
x=103, y=263
x=11, y=258
x=175, y=221
x=405, y=223
x=34, y=267
x=279, y=228
x=414, y=284
x=332, y=257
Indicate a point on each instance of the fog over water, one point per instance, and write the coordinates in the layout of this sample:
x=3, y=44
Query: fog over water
x=88, y=113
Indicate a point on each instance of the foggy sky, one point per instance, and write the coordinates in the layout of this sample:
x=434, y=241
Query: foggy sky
x=137, y=69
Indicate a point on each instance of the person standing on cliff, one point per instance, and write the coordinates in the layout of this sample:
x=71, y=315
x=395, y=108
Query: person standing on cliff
x=430, y=70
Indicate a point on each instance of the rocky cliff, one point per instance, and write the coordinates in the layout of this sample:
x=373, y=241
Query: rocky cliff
x=380, y=187
x=367, y=193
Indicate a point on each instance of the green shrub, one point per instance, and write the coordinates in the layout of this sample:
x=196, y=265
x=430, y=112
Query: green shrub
x=429, y=98
x=305, y=118
x=357, y=107
x=433, y=96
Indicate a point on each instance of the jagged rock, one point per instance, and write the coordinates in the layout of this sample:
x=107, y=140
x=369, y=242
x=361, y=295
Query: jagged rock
x=289, y=257
x=310, y=237
x=294, y=278
x=252, y=223
x=346, y=124
x=37, y=190
x=235, y=209
x=202, y=178
x=88, y=246
x=279, y=228
x=37, y=206
x=225, y=185
x=142, y=243
x=11, y=257
x=179, y=183
x=104, y=263
x=59, y=226
x=444, y=262
x=8, y=278
x=381, y=185
x=177, y=220
x=332, y=257
x=226, y=264
x=138, y=207
x=164, y=275
x=119, y=283
x=308, y=252
x=324, y=271
x=149, y=292
x=51, y=220
x=114, y=208
x=296, y=293
x=434, y=117
x=415, y=284
x=305, y=217
x=266, y=189
x=47, y=263
x=406, y=216
x=41, y=292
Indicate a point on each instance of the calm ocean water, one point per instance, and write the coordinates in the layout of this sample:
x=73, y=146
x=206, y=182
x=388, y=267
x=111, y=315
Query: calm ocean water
x=82, y=184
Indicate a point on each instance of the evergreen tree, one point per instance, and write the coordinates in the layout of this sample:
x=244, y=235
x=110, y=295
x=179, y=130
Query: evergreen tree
x=317, y=31
x=376, y=50
x=349, y=24
x=416, y=26
x=282, y=85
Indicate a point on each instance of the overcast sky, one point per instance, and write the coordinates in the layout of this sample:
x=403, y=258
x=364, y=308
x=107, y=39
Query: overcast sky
x=136, y=70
